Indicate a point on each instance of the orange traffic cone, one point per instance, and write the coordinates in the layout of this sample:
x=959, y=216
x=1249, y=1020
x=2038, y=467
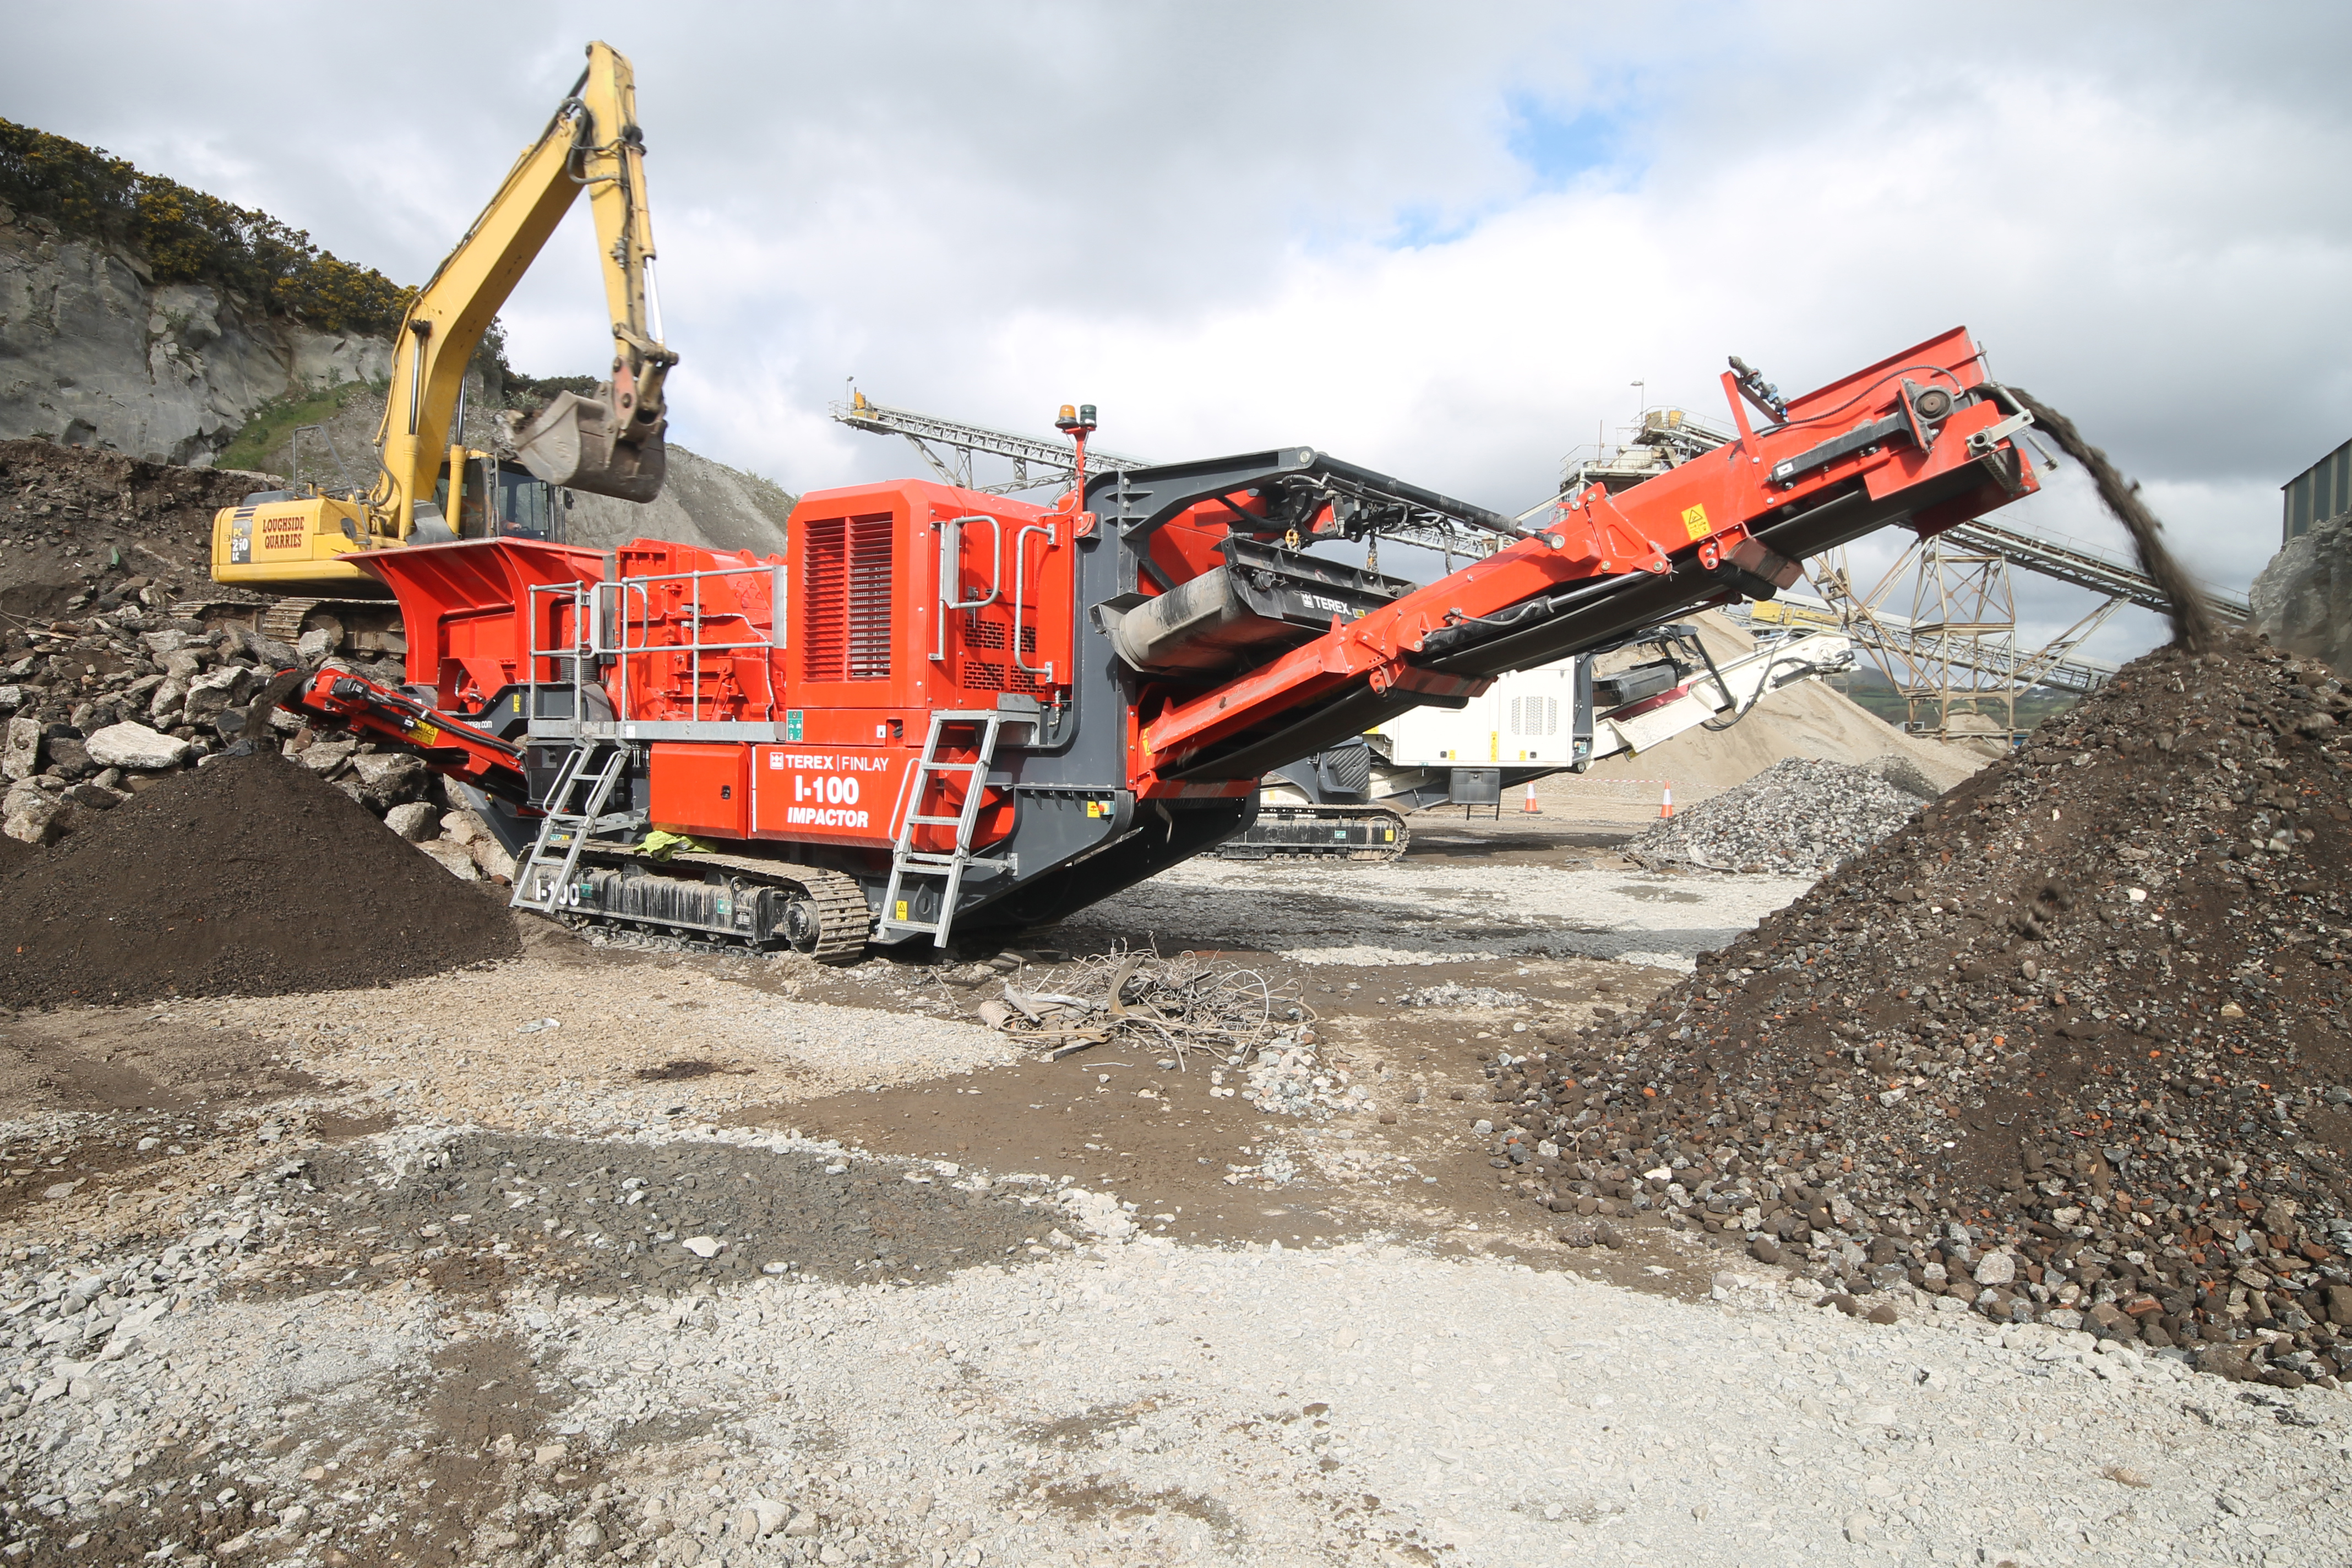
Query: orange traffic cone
x=1530, y=808
x=1666, y=799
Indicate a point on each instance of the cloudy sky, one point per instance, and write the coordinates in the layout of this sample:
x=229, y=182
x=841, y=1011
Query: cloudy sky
x=1442, y=240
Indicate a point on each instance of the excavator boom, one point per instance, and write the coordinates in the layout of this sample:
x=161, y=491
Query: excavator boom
x=611, y=443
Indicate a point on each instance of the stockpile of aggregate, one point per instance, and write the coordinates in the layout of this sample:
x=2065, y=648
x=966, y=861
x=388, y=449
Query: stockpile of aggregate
x=251, y=876
x=2071, y=1046
x=1802, y=815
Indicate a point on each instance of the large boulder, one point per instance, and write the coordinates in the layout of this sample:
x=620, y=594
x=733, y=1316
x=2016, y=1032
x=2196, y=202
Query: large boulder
x=170, y=699
x=387, y=778
x=20, y=754
x=209, y=694
x=135, y=746
x=416, y=821
x=34, y=816
x=453, y=859
x=2303, y=599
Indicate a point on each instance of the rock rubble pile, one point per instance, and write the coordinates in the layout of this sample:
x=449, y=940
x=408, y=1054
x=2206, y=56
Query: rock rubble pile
x=1287, y=1076
x=123, y=690
x=1800, y=816
x=2069, y=1048
x=81, y=528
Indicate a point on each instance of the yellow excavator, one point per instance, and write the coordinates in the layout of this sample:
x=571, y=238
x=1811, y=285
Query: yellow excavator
x=430, y=488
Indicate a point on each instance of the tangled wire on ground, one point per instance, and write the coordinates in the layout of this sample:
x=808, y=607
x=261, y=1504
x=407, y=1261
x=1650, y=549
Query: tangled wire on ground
x=1181, y=1003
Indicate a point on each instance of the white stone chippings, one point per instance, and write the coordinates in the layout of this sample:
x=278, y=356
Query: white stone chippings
x=1238, y=1407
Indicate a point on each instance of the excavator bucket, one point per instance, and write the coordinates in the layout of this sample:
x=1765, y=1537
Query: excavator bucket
x=577, y=442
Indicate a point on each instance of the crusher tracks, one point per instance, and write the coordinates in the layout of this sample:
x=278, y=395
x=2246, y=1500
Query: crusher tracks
x=1320, y=832
x=844, y=923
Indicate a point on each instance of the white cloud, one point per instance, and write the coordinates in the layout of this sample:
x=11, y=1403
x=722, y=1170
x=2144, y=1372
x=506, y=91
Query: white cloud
x=1190, y=214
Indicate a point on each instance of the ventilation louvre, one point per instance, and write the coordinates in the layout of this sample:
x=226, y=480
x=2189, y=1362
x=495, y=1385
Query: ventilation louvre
x=846, y=569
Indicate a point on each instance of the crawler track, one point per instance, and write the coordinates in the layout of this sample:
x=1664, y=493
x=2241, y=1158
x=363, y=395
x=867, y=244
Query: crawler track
x=842, y=921
x=1321, y=833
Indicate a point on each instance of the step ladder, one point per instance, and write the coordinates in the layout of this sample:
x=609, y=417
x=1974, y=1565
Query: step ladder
x=907, y=862
x=571, y=818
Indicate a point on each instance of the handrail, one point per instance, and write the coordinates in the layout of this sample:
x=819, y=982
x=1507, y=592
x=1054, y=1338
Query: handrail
x=950, y=573
x=601, y=629
x=1020, y=567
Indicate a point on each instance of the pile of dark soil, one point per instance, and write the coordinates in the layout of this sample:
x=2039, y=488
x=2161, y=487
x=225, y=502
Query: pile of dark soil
x=2071, y=1046
x=250, y=876
x=490, y=1210
x=75, y=522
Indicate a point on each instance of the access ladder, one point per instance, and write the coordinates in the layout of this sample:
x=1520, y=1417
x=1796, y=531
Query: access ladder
x=597, y=767
x=906, y=860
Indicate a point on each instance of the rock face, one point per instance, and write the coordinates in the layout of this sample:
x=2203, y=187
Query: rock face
x=2303, y=597
x=94, y=354
x=702, y=503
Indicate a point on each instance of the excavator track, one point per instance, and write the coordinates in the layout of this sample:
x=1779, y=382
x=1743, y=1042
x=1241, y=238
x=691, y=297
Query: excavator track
x=1321, y=833
x=841, y=921
x=282, y=622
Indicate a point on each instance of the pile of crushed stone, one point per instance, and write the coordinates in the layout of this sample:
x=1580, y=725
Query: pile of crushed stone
x=251, y=876
x=1801, y=815
x=1287, y=1076
x=1473, y=998
x=2071, y=1048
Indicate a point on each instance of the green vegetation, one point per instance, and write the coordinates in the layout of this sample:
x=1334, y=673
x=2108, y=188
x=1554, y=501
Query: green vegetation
x=276, y=420
x=532, y=392
x=187, y=236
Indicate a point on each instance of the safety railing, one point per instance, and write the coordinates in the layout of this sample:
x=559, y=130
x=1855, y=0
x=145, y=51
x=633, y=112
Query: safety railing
x=614, y=624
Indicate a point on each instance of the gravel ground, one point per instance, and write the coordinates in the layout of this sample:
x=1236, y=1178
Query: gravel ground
x=1423, y=915
x=359, y=1279
x=1142, y=1402
x=583, y=1043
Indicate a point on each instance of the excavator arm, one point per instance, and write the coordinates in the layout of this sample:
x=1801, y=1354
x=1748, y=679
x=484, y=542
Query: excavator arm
x=611, y=445
x=608, y=445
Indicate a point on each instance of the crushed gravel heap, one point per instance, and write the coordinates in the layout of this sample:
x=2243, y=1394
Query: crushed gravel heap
x=1288, y=1077
x=1482, y=998
x=2071, y=1048
x=1801, y=814
x=250, y=876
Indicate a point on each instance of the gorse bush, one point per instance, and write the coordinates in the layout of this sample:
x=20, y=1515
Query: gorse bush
x=187, y=236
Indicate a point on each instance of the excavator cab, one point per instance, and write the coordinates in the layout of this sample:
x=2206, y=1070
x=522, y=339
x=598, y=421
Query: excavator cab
x=497, y=500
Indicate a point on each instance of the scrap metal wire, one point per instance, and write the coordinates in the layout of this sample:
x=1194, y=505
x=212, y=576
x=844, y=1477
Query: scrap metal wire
x=1183, y=1004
